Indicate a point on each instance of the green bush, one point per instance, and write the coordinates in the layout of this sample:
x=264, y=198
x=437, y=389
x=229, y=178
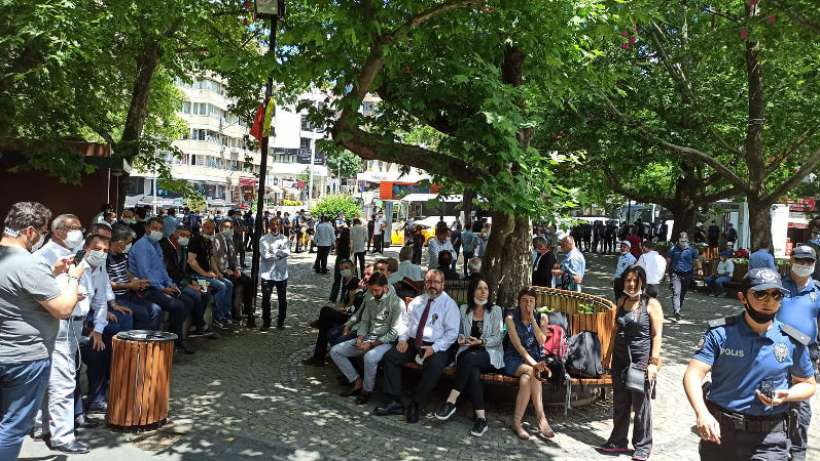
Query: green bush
x=335, y=204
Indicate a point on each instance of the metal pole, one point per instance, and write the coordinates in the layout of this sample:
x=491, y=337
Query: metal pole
x=310, y=177
x=263, y=170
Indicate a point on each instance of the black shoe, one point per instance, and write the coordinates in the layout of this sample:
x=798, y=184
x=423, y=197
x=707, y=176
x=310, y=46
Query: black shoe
x=265, y=326
x=81, y=422
x=351, y=392
x=412, y=415
x=677, y=317
x=315, y=362
x=392, y=408
x=280, y=326
x=73, y=448
x=363, y=398
x=185, y=348
x=37, y=433
x=98, y=407
x=447, y=409
x=479, y=427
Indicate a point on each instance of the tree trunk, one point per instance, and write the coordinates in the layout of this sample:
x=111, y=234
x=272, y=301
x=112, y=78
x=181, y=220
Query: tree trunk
x=684, y=216
x=760, y=224
x=506, y=264
x=467, y=206
x=147, y=63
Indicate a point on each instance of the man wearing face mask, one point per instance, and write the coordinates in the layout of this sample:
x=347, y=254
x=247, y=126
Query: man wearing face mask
x=228, y=266
x=202, y=261
x=376, y=332
x=126, y=287
x=145, y=261
x=801, y=308
x=759, y=365
x=542, y=264
x=175, y=255
x=682, y=261
x=58, y=405
x=34, y=298
x=274, y=249
x=625, y=260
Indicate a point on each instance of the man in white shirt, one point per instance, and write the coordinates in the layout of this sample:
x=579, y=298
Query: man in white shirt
x=358, y=244
x=428, y=336
x=378, y=230
x=655, y=267
x=406, y=267
x=723, y=274
x=58, y=405
x=437, y=245
x=325, y=236
x=274, y=249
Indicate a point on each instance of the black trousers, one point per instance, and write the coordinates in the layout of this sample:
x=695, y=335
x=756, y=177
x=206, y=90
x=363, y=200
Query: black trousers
x=800, y=437
x=281, y=294
x=242, y=286
x=431, y=372
x=178, y=308
x=469, y=366
x=329, y=319
x=359, y=257
x=467, y=256
x=378, y=243
x=618, y=287
x=737, y=446
x=624, y=403
x=321, y=259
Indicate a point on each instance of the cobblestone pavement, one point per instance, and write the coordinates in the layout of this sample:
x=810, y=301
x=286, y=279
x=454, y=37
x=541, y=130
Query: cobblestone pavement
x=248, y=396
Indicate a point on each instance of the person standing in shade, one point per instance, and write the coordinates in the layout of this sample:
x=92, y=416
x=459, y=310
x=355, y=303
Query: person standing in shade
x=731, y=235
x=428, y=336
x=481, y=350
x=376, y=332
x=35, y=298
x=723, y=274
x=378, y=231
x=274, y=250
x=343, y=246
x=638, y=338
x=655, y=267
x=371, y=227
x=574, y=264
x=759, y=366
x=325, y=235
x=762, y=257
x=801, y=308
x=358, y=244
x=625, y=260
x=469, y=241
x=682, y=261
x=543, y=262
x=455, y=240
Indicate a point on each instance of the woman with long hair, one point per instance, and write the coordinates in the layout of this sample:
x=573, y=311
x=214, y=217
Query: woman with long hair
x=639, y=330
x=480, y=351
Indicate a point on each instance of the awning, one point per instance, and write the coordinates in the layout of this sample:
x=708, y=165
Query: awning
x=419, y=197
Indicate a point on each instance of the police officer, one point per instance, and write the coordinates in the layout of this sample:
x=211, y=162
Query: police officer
x=752, y=357
x=801, y=308
x=682, y=261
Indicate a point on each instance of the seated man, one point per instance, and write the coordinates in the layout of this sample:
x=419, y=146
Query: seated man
x=126, y=287
x=376, y=332
x=145, y=261
x=428, y=336
x=445, y=263
x=201, y=260
x=332, y=317
x=226, y=257
x=406, y=267
x=723, y=274
x=175, y=256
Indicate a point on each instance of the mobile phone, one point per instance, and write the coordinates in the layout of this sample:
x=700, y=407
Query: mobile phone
x=766, y=388
x=78, y=257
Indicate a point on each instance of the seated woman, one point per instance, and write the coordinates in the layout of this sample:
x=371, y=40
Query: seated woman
x=480, y=351
x=331, y=318
x=523, y=359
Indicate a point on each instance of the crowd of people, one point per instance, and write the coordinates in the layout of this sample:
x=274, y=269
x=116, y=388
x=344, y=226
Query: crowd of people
x=66, y=290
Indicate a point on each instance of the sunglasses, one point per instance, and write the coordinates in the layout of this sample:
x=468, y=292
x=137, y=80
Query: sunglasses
x=776, y=295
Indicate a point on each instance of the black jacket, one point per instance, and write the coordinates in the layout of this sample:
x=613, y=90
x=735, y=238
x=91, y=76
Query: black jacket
x=542, y=272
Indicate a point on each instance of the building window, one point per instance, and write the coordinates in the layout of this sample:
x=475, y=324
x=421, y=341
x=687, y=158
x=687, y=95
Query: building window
x=186, y=107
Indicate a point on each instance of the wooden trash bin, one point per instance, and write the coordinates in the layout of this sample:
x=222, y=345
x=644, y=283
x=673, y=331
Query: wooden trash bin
x=140, y=379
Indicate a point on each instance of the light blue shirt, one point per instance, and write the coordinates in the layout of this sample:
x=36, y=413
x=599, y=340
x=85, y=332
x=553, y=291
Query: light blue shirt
x=624, y=261
x=574, y=263
x=169, y=225
x=683, y=259
x=761, y=258
x=145, y=261
x=801, y=308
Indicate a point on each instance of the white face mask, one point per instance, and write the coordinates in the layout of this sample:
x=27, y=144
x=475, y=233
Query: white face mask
x=207, y=236
x=635, y=295
x=803, y=270
x=183, y=241
x=73, y=239
x=155, y=236
x=127, y=248
x=228, y=233
x=346, y=273
x=96, y=258
x=38, y=243
x=479, y=302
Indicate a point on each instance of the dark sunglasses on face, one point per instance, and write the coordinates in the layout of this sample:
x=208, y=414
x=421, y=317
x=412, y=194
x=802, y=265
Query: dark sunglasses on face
x=776, y=295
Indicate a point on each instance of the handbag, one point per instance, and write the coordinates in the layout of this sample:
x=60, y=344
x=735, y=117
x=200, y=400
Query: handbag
x=634, y=375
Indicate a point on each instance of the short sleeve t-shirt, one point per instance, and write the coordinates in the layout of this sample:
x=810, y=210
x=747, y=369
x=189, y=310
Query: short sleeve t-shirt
x=203, y=249
x=27, y=329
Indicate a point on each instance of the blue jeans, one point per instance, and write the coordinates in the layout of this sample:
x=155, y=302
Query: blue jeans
x=98, y=363
x=223, y=298
x=716, y=283
x=147, y=315
x=22, y=388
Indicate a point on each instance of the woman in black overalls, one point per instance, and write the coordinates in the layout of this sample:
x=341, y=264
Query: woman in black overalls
x=639, y=325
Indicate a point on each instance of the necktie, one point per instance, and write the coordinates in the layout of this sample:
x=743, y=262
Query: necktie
x=422, y=323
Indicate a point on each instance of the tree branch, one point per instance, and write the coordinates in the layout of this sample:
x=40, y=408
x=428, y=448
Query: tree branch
x=614, y=182
x=797, y=17
x=808, y=166
x=720, y=195
x=786, y=153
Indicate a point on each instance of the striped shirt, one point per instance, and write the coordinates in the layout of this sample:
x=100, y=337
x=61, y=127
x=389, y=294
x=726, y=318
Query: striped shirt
x=117, y=266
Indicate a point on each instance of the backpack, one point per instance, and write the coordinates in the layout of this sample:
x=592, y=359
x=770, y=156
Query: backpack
x=556, y=343
x=584, y=355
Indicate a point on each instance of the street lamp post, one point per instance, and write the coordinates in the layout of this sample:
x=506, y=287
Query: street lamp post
x=271, y=9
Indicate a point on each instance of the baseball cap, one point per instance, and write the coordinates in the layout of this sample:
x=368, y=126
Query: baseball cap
x=764, y=278
x=804, y=252
x=626, y=242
